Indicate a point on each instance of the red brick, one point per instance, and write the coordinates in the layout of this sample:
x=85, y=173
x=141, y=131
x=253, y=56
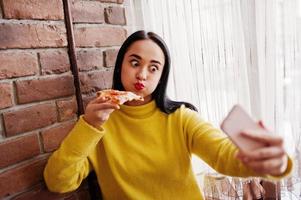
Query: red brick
x=129, y=17
x=67, y=109
x=32, y=35
x=91, y=37
x=88, y=12
x=96, y=81
x=1, y=127
x=115, y=15
x=30, y=118
x=44, y=88
x=87, y=99
x=40, y=192
x=89, y=59
x=53, y=137
x=22, y=177
x=33, y=9
x=110, y=57
x=16, y=150
x=6, y=95
x=54, y=62
x=112, y=1
x=1, y=15
x=17, y=64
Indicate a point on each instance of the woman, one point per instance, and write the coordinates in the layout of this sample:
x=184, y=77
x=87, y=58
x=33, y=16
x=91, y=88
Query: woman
x=142, y=150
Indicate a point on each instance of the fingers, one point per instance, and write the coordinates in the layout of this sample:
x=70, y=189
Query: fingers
x=100, y=100
x=274, y=166
x=103, y=106
x=262, y=153
x=262, y=136
x=103, y=103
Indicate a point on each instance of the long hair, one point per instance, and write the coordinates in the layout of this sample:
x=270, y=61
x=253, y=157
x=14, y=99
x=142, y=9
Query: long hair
x=165, y=104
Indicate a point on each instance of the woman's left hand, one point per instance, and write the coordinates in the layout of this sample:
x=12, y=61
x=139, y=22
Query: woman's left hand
x=270, y=159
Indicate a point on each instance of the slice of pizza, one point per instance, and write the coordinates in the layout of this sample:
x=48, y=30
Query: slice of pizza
x=119, y=97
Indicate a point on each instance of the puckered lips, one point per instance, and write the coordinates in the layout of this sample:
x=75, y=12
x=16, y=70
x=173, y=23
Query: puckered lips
x=139, y=86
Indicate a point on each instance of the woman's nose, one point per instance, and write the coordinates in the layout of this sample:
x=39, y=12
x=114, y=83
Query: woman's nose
x=141, y=75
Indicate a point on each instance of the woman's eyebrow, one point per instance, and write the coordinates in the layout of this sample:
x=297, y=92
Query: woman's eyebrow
x=136, y=56
x=155, y=61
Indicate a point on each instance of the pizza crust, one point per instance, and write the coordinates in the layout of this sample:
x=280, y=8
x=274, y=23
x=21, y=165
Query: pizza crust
x=119, y=97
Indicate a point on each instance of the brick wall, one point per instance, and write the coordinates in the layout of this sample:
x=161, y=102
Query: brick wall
x=37, y=95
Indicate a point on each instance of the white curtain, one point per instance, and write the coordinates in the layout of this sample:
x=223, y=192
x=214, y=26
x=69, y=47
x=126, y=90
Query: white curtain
x=233, y=51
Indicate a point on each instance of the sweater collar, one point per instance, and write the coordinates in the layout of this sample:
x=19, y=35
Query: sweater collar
x=139, y=111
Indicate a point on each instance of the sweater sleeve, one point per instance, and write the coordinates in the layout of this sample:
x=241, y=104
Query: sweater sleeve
x=69, y=165
x=215, y=148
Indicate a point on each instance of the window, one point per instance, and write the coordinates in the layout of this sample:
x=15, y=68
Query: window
x=229, y=51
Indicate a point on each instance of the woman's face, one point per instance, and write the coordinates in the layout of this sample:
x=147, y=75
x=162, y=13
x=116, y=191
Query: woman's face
x=141, y=69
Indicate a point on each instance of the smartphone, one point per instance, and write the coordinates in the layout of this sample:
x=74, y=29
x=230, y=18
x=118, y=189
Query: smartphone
x=236, y=121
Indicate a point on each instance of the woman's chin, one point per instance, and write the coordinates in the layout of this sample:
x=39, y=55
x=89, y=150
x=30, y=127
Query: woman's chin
x=135, y=103
x=146, y=100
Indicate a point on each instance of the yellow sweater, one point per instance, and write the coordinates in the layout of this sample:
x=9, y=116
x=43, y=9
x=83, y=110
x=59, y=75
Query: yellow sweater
x=142, y=153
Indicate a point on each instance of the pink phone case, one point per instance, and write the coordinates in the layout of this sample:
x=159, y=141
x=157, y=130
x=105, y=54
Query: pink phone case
x=237, y=121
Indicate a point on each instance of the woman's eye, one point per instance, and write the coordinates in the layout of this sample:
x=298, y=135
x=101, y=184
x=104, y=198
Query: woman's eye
x=134, y=63
x=153, y=68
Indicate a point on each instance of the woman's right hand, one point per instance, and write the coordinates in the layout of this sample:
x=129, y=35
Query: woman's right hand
x=98, y=111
